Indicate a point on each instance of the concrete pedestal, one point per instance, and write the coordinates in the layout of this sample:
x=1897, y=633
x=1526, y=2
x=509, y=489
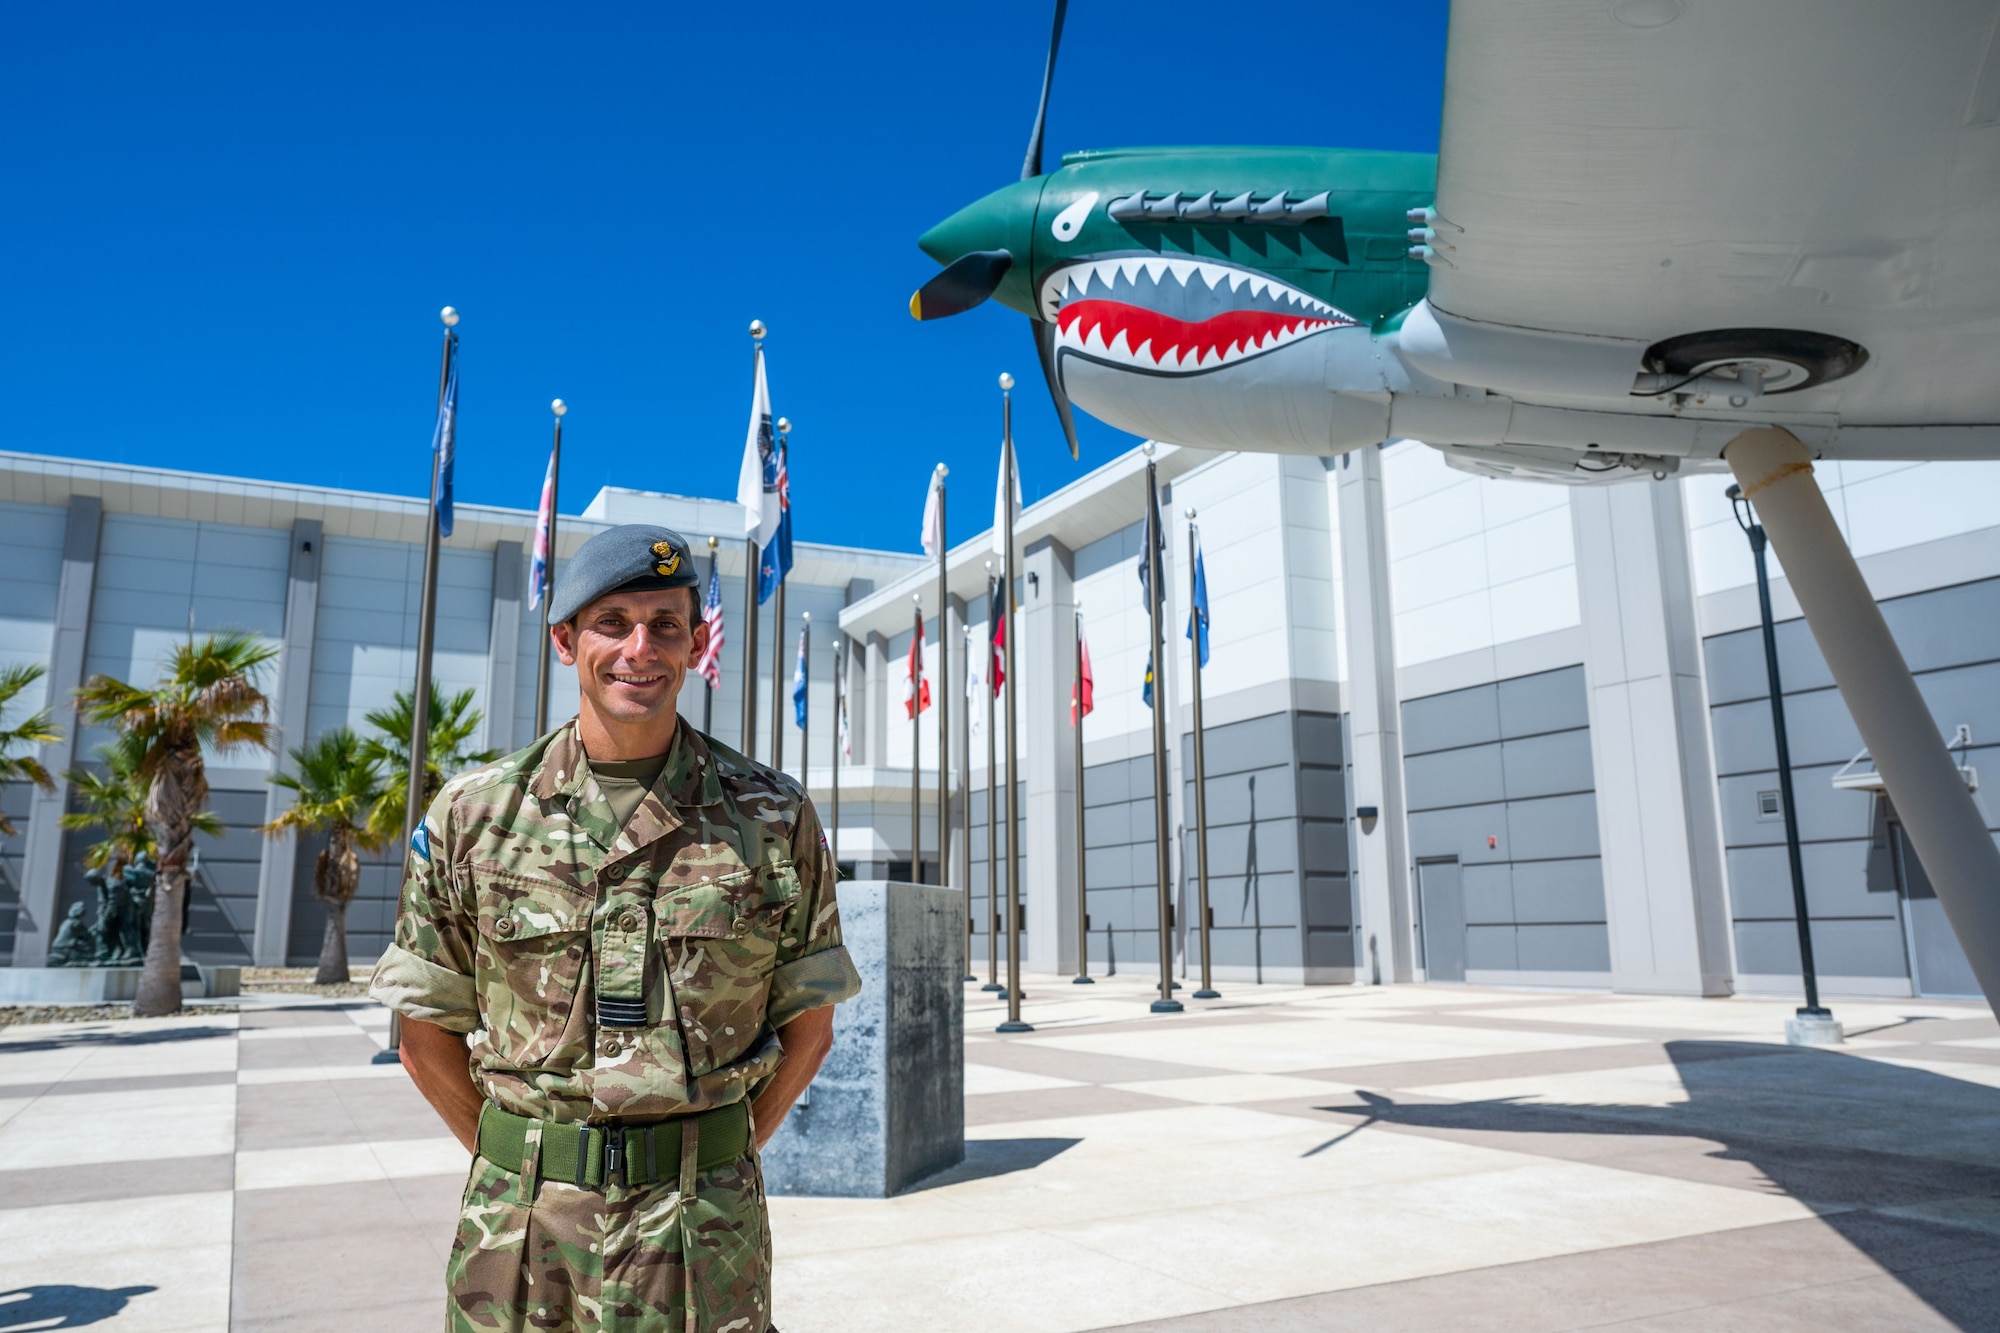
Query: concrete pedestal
x=1811, y=1030
x=888, y=1107
x=107, y=985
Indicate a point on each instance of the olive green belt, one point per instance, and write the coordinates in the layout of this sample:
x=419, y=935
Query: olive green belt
x=631, y=1154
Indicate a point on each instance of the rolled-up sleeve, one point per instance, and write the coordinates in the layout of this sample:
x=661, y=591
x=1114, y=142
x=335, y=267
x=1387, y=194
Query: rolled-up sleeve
x=813, y=968
x=427, y=973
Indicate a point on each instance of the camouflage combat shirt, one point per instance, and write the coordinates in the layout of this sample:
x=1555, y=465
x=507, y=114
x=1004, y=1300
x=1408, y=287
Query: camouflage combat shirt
x=707, y=922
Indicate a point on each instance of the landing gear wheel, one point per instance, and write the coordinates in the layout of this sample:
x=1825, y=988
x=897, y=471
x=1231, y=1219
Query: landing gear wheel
x=1791, y=359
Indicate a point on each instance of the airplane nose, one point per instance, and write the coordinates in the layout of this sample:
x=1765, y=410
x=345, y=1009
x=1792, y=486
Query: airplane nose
x=1003, y=220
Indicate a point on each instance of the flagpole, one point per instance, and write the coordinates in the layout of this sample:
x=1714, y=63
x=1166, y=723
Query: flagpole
x=992, y=812
x=1195, y=618
x=778, y=619
x=1083, y=977
x=548, y=575
x=1155, y=597
x=839, y=714
x=916, y=742
x=943, y=691
x=965, y=802
x=420, y=710
x=420, y=703
x=805, y=681
x=1013, y=686
x=750, y=581
x=707, y=686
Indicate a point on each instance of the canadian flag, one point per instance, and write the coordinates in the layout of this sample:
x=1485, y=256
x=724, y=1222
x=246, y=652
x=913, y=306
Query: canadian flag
x=919, y=696
x=1085, y=682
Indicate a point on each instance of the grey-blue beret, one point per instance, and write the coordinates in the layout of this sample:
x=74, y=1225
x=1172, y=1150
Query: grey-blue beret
x=632, y=558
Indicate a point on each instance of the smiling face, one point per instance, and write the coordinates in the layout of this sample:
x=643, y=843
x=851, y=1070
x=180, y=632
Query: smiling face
x=631, y=651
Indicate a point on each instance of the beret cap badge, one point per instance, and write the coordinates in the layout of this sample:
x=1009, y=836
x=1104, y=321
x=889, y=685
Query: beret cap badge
x=669, y=558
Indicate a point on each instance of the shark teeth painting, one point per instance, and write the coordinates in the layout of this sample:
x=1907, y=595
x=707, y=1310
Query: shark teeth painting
x=1175, y=316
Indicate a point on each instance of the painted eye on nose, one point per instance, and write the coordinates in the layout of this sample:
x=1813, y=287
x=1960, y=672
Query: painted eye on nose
x=1070, y=221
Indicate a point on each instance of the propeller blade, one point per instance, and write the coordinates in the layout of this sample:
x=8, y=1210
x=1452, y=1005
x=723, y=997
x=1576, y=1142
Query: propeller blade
x=963, y=284
x=1045, y=348
x=1032, y=165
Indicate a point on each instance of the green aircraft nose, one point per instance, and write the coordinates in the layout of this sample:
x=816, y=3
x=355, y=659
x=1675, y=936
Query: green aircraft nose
x=1003, y=220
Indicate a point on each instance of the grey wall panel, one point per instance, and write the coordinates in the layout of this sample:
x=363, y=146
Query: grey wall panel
x=1735, y=663
x=1558, y=892
x=1100, y=555
x=1489, y=896
x=1460, y=831
x=1557, y=826
x=1546, y=701
x=1323, y=846
x=1328, y=904
x=1824, y=811
x=1548, y=765
x=1454, y=777
x=1448, y=721
x=1866, y=948
x=1322, y=793
x=1570, y=948
x=1839, y=882
x=1318, y=740
x=1490, y=948
x=1947, y=626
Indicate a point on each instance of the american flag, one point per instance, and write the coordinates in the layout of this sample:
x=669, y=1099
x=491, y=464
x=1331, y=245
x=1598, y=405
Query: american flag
x=710, y=665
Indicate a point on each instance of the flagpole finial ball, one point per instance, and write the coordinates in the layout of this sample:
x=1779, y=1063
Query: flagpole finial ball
x=757, y=329
x=943, y=471
x=1006, y=381
x=449, y=316
x=558, y=407
x=1190, y=513
x=989, y=566
x=808, y=616
x=713, y=543
x=784, y=425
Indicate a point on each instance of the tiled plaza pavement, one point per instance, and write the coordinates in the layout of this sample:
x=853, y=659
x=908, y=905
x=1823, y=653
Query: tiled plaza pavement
x=1282, y=1159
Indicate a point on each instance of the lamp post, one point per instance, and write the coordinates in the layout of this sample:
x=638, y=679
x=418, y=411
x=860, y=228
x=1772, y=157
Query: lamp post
x=1813, y=1025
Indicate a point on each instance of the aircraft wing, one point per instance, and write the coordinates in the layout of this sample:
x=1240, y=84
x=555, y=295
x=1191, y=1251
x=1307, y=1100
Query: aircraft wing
x=1638, y=170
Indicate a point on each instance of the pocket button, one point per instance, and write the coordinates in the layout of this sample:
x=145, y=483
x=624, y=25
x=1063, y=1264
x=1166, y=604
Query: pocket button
x=741, y=925
x=628, y=923
x=615, y=874
x=506, y=926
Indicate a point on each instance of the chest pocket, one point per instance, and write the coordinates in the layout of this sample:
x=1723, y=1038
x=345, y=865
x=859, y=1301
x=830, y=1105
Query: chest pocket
x=721, y=938
x=532, y=934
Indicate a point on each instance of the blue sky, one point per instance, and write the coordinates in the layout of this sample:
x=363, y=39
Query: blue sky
x=230, y=228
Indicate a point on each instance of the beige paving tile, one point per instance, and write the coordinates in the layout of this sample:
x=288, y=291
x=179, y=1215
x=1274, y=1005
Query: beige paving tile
x=179, y=1246
x=983, y=1078
x=345, y=1163
x=1225, y=1088
x=121, y=1126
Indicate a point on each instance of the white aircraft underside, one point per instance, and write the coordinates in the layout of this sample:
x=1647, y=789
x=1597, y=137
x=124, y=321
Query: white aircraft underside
x=1617, y=174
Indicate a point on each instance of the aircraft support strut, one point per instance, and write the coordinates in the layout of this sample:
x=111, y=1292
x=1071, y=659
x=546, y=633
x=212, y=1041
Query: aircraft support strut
x=1943, y=822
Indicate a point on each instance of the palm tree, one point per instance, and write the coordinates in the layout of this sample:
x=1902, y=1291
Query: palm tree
x=115, y=801
x=37, y=729
x=453, y=723
x=336, y=780
x=206, y=697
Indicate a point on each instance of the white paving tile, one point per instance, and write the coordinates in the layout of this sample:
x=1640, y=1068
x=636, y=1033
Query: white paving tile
x=168, y=1256
x=346, y=1163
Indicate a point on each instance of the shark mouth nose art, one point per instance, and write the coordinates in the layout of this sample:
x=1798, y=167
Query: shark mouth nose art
x=1177, y=316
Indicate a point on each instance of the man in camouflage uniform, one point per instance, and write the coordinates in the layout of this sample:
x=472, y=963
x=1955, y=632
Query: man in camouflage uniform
x=636, y=927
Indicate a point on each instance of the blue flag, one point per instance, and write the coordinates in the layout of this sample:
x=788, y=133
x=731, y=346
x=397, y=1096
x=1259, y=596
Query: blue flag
x=774, y=562
x=444, y=441
x=1197, y=629
x=1146, y=692
x=799, y=684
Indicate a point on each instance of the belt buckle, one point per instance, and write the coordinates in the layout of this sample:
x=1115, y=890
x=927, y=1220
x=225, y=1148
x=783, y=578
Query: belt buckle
x=614, y=1153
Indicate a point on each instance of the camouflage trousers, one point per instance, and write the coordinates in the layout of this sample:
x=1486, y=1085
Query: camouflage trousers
x=577, y=1259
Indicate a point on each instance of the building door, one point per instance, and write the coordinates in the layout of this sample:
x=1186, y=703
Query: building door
x=1937, y=963
x=1441, y=903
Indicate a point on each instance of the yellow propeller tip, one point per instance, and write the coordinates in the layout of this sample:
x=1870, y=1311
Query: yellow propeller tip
x=916, y=305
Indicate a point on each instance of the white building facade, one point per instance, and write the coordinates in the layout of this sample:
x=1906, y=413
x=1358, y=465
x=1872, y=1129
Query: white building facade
x=1457, y=729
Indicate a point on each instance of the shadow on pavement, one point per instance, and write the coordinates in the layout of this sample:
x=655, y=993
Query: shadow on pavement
x=1903, y=1163
x=995, y=1157
x=72, y=1307
x=140, y=1038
